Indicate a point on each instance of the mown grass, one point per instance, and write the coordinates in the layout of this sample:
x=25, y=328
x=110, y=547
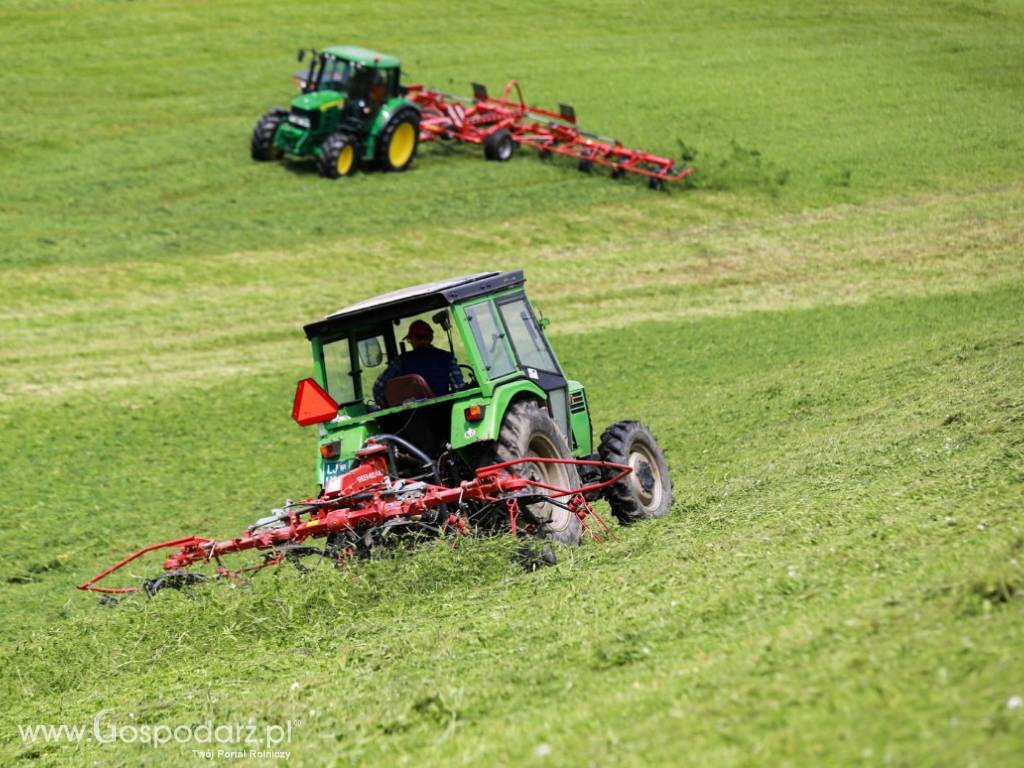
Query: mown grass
x=824, y=331
x=838, y=582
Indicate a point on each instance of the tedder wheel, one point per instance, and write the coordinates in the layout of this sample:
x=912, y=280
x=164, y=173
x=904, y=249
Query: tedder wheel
x=338, y=156
x=396, y=145
x=528, y=430
x=585, y=165
x=499, y=146
x=262, y=147
x=647, y=490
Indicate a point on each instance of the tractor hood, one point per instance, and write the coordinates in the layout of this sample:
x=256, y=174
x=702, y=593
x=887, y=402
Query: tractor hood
x=318, y=100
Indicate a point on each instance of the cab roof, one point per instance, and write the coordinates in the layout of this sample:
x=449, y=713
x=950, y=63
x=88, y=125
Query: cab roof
x=414, y=300
x=363, y=56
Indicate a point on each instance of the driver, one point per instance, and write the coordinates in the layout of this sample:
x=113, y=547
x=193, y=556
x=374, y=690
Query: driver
x=437, y=366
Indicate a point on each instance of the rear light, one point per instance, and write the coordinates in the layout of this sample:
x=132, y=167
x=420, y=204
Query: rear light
x=474, y=413
x=331, y=450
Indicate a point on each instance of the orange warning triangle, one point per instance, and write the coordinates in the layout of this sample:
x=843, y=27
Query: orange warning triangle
x=312, y=404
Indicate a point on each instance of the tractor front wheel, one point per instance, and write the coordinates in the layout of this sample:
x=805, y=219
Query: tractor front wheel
x=338, y=156
x=397, y=143
x=528, y=430
x=499, y=146
x=647, y=490
x=262, y=146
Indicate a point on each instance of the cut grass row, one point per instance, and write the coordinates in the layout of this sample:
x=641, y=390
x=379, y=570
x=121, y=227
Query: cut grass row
x=76, y=330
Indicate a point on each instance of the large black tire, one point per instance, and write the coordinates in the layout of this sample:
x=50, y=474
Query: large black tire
x=647, y=490
x=528, y=430
x=499, y=146
x=397, y=143
x=262, y=146
x=339, y=156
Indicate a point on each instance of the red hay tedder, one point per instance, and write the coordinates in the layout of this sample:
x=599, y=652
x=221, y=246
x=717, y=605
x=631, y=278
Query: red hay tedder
x=501, y=123
x=372, y=507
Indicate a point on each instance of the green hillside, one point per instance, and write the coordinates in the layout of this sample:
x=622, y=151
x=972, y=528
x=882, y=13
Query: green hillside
x=825, y=329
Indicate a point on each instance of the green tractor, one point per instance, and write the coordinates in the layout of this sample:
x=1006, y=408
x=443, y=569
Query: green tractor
x=507, y=397
x=352, y=113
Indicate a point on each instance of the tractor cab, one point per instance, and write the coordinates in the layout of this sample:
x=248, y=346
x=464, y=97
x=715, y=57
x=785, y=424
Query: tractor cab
x=358, y=74
x=449, y=397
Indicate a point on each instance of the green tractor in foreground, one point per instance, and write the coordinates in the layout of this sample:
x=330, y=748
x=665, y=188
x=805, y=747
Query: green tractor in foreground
x=508, y=397
x=351, y=113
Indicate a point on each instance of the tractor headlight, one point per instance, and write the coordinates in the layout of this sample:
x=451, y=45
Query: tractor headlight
x=299, y=120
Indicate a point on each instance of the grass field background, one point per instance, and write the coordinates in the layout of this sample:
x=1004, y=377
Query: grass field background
x=824, y=329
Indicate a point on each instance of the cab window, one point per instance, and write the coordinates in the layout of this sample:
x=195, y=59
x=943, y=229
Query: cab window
x=490, y=339
x=526, y=337
x=345, y=367
x=338, y=370
x=335, y=75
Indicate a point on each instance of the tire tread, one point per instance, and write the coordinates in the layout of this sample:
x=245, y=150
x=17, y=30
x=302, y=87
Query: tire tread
x=614, y=447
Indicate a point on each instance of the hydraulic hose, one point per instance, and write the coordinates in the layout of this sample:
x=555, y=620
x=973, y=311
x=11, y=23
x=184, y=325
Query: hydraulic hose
x=428, y=463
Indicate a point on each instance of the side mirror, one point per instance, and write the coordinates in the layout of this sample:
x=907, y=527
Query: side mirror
x=301, y=55
x=542, y=321
x=370, y=353
x=442, y=319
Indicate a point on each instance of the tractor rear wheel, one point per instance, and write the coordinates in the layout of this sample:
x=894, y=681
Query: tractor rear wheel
x=397, y=143
x=338, y=156
x=262, y=146
x=528, y=430
x=647, y=490
x=499, y=146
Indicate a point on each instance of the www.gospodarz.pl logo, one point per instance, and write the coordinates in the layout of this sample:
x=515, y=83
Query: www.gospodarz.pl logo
x=216, y=739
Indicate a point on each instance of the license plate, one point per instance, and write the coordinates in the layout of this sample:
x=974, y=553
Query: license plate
x=332, y=474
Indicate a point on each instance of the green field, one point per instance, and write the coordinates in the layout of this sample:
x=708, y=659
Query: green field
x=825, y=329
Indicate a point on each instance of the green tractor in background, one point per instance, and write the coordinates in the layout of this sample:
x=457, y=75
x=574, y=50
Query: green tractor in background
x=515, y=400
x=352, y=113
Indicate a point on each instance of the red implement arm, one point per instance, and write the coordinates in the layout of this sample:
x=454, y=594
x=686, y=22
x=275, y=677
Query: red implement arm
x=368, y=497
x=473, y=120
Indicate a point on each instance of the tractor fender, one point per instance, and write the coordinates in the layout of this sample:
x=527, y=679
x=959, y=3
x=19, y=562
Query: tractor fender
x=466, y=433
x=384, y=115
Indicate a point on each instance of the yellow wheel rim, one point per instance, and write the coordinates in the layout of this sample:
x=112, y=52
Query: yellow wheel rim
x=403, y=141
x=345, y=159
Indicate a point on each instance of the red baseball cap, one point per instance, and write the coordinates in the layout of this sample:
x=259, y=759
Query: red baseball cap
x=420, y=328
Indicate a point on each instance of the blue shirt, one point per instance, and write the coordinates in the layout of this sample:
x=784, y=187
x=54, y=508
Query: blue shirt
x=438, y=367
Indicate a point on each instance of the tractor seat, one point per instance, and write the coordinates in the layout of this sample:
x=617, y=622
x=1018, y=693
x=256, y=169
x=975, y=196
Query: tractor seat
x=402, y=389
